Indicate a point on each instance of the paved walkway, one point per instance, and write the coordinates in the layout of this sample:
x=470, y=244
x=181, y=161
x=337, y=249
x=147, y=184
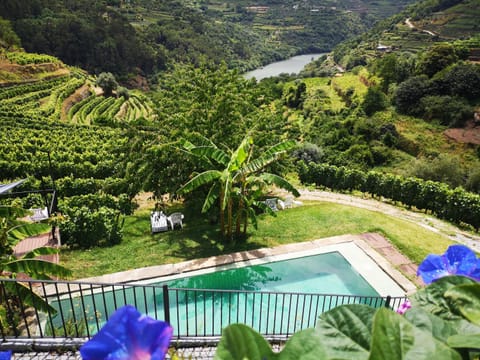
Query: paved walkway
x=34, y=242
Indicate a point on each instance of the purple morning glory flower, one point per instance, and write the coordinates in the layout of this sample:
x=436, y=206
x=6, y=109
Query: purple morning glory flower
x=457, y=260
x=128, y=335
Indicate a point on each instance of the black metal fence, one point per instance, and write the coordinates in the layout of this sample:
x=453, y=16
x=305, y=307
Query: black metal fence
x=69, y=309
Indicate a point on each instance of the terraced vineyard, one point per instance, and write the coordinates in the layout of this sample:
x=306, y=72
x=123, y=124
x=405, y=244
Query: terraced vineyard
x=68, y=97
x=95, y=109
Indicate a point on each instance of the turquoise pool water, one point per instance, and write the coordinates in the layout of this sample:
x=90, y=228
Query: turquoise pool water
x=328, y=273
x=249, y=297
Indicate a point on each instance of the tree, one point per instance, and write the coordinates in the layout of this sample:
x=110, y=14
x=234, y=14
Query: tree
x=374, y=100
x=237, y=181
x=437, y=58
x=409, y=94
x=107, y=82
x=11, y=231
x=8, y=37
x=463, y=80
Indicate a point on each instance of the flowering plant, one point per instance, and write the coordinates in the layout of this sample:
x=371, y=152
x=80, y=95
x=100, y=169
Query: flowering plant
x=457, y=260
x=128, y=335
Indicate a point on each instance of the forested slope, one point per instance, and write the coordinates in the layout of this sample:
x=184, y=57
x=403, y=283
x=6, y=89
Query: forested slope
x=143, y=37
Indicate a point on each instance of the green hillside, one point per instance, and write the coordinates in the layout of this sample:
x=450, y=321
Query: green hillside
x=143, y=37
x=416, y=28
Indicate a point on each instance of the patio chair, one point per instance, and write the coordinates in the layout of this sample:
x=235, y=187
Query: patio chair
x=175, y=219
x=39, y=214
x=272, y=203
x=158, y=221
x=288, y=202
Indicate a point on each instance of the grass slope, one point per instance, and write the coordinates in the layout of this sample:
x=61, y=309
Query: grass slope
x=200, y=239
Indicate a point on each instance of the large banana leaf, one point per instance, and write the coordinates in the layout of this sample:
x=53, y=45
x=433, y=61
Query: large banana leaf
x=22, y=231
x=278, y=148
x=212, y=196
x=211, y=152
x=38, y=269
x=203, y=178
x=240, y=155
x=28, y=297
x=12, y=212
x=267, y=157
x=280, y=182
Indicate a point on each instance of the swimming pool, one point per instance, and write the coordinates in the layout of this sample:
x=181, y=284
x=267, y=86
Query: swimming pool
x=249, y=293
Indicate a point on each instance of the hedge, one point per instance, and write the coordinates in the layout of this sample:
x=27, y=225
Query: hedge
x=456, y=205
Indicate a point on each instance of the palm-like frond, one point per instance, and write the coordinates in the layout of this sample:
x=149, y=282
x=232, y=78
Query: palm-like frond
x=280, y=182
x=28, y=296
x=22, y=231
x=212, y=196
x=38, y=269
x=279, y=148
x=268, y=157
x=240, y=155
x=45, y=250
x=203, y=178
x=211, y=152
x=12, y=212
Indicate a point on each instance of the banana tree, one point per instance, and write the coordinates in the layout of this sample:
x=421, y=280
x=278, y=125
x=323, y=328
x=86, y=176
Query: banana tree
x=11, y=232
x=237, y=180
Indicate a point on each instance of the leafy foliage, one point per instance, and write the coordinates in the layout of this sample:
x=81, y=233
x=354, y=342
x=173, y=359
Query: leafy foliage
x=15, y=293
x=443, y=323
x=238, y=181
x=455, y=205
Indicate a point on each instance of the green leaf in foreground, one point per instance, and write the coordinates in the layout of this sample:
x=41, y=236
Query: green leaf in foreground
x=465, y=341
x=465, y=300
x=347, y=331
x=432, y=298
x=395, y=338
x=240, y=342
x=439, y=328
x=305, y=345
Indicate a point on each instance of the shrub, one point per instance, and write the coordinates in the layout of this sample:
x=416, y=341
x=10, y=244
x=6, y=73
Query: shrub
x=123, y=91
x=85, y=228
x=449, y=111
x=457, y=205
x=308, y=152
x=374, y=100
x=443, y=169
x=473, y=181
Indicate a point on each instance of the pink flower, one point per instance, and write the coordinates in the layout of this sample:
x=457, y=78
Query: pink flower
x=404, y=307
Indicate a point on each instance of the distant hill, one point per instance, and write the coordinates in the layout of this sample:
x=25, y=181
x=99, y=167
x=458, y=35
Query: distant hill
x=141, y=37
x=414, y=29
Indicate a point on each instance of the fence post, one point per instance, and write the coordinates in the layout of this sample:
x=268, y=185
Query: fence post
x=387, y=301
x=166, y=304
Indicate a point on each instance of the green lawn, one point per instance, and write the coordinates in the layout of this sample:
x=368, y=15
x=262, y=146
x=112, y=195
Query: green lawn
x=199, y=238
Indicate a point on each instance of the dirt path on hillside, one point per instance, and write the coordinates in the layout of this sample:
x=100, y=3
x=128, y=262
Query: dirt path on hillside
x=428, y=222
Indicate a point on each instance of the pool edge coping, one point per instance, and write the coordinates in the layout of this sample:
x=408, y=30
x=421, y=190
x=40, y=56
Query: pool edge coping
x=157, y=271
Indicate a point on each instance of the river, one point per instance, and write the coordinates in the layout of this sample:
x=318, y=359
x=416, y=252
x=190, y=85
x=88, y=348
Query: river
x=292, y=65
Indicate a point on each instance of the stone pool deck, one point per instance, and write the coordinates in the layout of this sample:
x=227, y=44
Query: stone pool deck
x=380, y=250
